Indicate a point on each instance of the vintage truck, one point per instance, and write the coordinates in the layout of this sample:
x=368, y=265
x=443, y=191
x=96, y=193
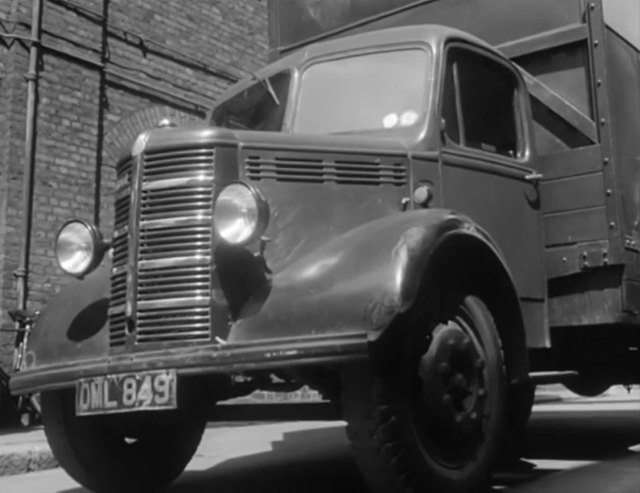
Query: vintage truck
x=421, y=209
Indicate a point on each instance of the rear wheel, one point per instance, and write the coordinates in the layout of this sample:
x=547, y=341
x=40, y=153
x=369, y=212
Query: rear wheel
x=520, y=404
x=436, y=420
x=141, y=452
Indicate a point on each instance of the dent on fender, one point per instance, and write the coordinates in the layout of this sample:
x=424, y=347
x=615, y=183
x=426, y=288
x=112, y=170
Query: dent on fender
x=357, y=282
x=381, y=309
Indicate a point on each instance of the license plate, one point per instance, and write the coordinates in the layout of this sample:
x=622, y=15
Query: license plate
x=143, y=391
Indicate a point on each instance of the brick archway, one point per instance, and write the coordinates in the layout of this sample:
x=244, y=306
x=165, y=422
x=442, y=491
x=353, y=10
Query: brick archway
x=121, y=135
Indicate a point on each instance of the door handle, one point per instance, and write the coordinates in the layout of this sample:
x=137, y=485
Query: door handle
x=533, y=177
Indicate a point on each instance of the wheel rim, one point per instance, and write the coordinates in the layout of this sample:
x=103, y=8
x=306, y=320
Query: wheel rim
x=449, y=395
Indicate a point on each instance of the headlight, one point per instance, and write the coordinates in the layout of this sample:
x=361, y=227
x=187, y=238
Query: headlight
x=79, y=248
x=240, y=214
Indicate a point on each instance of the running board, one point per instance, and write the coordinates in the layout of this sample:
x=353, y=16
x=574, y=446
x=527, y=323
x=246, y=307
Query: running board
x=544, y=377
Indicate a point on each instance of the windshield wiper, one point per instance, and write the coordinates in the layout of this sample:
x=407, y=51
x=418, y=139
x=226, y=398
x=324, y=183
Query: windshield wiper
x=267, y=84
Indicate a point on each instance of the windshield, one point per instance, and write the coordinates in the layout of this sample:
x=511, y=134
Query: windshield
x=259, y=107
x=377, y=92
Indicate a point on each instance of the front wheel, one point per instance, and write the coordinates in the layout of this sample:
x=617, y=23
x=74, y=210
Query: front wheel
x=141, y=452
x=435, y=422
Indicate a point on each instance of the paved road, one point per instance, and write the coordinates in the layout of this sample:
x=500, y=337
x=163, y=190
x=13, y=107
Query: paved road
x=587, y=447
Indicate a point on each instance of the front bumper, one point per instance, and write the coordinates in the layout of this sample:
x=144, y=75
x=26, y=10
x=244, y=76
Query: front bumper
x=200, y=360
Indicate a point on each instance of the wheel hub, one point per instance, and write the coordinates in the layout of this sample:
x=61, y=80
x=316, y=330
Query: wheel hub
x=452, y=388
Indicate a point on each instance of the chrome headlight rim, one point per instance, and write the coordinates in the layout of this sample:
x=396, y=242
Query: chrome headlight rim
x=98, y=248
x=262, y=208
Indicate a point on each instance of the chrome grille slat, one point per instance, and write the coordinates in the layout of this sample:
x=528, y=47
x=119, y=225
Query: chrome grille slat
x=149, y=292
x=201, y=336
x=178, y=323
x=172, y=312
x=160, y=252
x=194, y=221
x=176, y=154
x=174, y=324
x=157, y=243
x=122, y=210
x=175, y=262
x=173, y=247
x=178, y=280
x=181, y=164
x=196, y=197
x=157, y=204
x=199, y=180
x=120, y=247
x=117, y=329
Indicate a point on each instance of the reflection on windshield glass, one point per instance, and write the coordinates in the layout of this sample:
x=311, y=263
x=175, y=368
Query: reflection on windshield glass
x=373, y=92
x=259, y=107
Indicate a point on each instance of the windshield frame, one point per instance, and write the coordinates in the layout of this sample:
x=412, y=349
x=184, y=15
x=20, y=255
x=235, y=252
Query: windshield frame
x=414, y=132
x=255, y=79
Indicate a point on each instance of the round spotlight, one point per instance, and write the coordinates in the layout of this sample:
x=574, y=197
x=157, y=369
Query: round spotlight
x=79, y=248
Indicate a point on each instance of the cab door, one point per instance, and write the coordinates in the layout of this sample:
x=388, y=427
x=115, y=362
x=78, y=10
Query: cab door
x=486, y=173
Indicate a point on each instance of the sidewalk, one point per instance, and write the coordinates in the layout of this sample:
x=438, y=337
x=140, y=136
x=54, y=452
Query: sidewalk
x=557, y=392
x=24, y=451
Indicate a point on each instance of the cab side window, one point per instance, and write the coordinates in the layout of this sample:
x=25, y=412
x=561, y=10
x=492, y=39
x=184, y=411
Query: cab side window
x=480, y=107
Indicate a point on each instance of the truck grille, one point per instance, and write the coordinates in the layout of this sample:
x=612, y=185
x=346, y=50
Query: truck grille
x=169, y=285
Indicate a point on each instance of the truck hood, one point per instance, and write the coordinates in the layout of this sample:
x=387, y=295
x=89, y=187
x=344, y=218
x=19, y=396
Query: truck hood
x=196, y=135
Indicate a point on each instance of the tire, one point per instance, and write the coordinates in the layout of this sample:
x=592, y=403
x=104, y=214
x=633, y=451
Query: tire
x=520, y=404
x=138, y=452
x=435, y=421
x=521, y=400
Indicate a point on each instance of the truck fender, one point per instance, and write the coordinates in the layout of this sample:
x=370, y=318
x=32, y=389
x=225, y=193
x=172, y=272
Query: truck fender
x=73, y=325
x=359, y=281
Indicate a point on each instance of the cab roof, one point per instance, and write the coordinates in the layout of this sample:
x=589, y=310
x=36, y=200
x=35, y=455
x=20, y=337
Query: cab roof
x=433, y=35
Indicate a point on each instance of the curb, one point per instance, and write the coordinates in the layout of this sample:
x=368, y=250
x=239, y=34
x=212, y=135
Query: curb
x=35, y=458
x=24, y=451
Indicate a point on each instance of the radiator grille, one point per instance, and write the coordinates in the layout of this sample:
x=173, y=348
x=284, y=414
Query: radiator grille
x=173, y=324
x=177, y=201
x=171, y=292
x=185, y=163
x=175, y=241
x=361, y=171
x=173, y=282
x=117, y=320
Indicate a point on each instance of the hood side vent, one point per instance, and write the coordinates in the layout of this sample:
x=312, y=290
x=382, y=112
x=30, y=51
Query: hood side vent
x=334, y=169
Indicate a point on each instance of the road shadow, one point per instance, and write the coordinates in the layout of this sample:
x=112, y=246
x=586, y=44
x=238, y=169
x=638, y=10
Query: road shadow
x=306, y=461
x=584, y=445
x=320, y=460
x=582, y=436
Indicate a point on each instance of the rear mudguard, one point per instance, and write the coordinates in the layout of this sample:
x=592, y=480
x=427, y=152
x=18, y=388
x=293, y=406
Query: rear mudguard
x=356, y=283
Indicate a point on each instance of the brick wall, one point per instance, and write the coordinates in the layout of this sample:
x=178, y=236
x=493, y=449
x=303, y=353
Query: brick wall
x=103, y=79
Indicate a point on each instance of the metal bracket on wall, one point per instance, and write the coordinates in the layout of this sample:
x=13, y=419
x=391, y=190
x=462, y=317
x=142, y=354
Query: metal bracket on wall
x=593, y=258
x=572, y=259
